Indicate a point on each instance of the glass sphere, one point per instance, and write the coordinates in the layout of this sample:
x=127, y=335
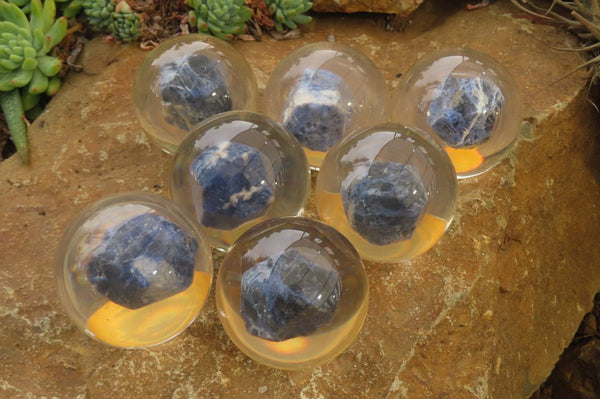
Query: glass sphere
x=324, y=91
x=292, y=292
x=390, y=189
x=133, y=271
x=468, y=100
x=237, y=169
x=185, y=80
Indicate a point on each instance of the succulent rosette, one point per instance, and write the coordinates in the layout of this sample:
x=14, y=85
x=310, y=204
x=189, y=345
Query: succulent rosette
x=114, y=17
x=221, y=18
x=289, y=12
x=99, y=13
x=125, y=25
x=69, y=8
x=26, y=69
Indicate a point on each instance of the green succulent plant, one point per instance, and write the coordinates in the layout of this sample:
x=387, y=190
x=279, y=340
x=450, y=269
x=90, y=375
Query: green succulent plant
x=69, y=8
x=24, y=4
x=99, y=13
x=26, y=69
x=289, y=12
x=125, y=25
x=114, y=17
x=221, y=18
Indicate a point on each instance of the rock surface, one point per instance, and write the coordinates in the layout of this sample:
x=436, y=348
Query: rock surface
x=484, y=314
x=402, y=8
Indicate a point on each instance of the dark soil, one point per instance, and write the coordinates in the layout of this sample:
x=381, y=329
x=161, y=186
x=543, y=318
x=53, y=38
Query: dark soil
x=7, y=148
x=577, y=373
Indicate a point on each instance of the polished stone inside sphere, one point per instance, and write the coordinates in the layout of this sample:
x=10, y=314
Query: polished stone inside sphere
x=187, y=79
x=464, y=111
x=465, y=99
x=234, y=182
x=385, y=205
x=391, y=189
x=292, y=292
x=323, y=92
x=237, y=169
x=133, y=270
x=288, y=296
x=192, y=90
x=148, y=258
x=314, y=112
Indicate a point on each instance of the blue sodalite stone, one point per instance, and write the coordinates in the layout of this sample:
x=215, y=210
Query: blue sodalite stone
x=464, y=111
x=289, y=296
x=192, y=90
x=314, y=113
x=145, y=260
x=234, y=185
x=385, y=205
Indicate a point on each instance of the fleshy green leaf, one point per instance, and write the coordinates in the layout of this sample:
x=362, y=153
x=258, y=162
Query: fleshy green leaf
x=8, y=64
x=53, y=86
x=16, y=58
x=38, y=84
x=48, y=14
x=29, y=64
x=12, y=107
x=21, y=78
x=12, y=13
x=56, y=34
x=38, y=41
x=49, y=65
x=29, y=100
x=36, y=18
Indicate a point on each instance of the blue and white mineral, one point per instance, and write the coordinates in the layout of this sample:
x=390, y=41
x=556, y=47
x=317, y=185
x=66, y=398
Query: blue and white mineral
x=232, y=184
x=385, y=205
x=314, y=112
x=192, y=90
x=146, y=259
x=464, y=111
x=289, y=295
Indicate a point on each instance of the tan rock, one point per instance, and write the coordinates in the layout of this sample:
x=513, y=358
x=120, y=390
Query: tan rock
x=402, y=8
x=484, y=314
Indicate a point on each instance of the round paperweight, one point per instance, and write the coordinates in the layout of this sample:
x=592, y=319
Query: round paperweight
x=390, y=189
x=133, y=270
x=187, y=79
x=237, y=169
x=466, y=99
x=324, y=91
x=292, y=293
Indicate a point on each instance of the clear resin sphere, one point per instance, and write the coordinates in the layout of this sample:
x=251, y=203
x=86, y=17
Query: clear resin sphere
x=292, y=293
x=236, y=170
x=390, y=189
x=187, y=79
x=133, y=270
x=468, y=100
x=324, y=91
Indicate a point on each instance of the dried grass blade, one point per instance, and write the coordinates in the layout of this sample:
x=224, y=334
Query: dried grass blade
x=585, y=64
x=593, y=29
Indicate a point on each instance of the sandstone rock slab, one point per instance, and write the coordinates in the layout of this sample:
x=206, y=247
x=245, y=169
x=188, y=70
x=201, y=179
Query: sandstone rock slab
x=402, y=8
x=484, y=314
